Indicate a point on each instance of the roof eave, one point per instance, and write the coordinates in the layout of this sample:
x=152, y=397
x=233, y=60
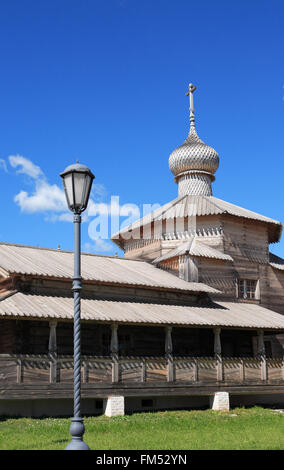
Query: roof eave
x=210, y=290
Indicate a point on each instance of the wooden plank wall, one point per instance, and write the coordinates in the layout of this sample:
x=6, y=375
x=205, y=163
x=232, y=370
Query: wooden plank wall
x=245, y=239
x=272, y=289
x=218, y=274
x=35, y=371
x=7, y=336
x=8, y=370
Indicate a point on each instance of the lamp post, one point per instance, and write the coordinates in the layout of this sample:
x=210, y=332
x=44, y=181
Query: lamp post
x=77, y=182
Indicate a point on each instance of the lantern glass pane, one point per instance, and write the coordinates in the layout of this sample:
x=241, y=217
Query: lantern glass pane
x=79, y=184
x=68, y=186
x=88, y=183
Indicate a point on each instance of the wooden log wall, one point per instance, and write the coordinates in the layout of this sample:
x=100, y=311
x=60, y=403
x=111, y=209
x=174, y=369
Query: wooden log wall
x=109, y=292
x=272, y=288
x=245, y=239
x=219, y=274
x=7, y=337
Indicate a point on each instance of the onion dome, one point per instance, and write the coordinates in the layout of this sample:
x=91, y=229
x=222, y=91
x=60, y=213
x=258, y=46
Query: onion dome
x=194, y=163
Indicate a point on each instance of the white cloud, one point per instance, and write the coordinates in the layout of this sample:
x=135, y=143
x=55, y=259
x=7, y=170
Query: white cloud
x=3, y=165
x=98, y=246
x=46, y=197
x=50, y=200
x=25, y=166
x=64, y=217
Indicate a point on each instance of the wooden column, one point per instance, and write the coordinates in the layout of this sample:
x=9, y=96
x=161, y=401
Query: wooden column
x=261, y=354
x=19, y=370
x=143, y=370
x=242, y=371
x=169, y=353
x=245, y=289
x=52, y=351
x=195, y=370
x=217, y=353
x=168, y=340
x=114, y=352
x=85, y=371
x=52, y=344
x=217, y=341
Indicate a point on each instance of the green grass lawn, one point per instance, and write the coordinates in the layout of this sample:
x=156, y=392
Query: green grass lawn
x=240, y=429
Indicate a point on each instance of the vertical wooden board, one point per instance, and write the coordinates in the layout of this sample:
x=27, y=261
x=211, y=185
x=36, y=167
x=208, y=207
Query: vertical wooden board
x=232, y=371
x=156, y=372
x=207, y=371
x=67, y=371
x=100, y=372
x=275, y=370
x=252, y=371
x=184, y=372
x=131, y=372
x=35, y=371
x=8, y=371
x=66, y=375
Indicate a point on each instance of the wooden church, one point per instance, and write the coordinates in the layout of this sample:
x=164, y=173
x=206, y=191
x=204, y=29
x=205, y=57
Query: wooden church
x=191, y=316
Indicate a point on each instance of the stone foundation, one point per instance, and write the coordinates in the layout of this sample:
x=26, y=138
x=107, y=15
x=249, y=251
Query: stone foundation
x=99, y=405
x=220, y=401
x=114, y=406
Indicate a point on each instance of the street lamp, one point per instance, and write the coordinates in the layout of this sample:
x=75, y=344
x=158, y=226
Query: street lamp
x=77, y=182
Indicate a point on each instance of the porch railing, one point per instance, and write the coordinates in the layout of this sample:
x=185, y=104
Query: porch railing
x=52, y=369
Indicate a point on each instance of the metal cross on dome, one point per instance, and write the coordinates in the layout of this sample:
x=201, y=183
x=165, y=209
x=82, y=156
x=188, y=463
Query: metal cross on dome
x=191, y=89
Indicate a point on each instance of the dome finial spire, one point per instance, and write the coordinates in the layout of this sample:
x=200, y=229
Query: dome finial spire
x=191, y=89
x=194, y=163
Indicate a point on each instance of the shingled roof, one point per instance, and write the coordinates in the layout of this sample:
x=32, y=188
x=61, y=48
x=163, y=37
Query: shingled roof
x=199, y=205
x=45, y=262
x=276, y=262
x=193, y=247
x=227, y=314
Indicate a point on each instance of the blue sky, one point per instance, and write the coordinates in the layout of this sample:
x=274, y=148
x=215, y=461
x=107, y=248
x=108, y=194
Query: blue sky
x=104, y=82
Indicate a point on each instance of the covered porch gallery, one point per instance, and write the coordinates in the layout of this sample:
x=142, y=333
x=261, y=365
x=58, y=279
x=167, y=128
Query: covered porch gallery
x=40, y=337
x=42, y=352
x=126, y=343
